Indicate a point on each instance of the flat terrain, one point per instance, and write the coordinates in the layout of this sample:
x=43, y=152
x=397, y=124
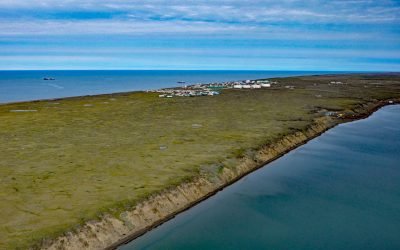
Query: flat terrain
x=68, y=161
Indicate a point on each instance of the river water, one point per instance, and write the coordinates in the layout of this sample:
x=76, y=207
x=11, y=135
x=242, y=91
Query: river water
x=338, y=191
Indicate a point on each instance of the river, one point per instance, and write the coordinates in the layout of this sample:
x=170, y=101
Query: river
x=338, y=191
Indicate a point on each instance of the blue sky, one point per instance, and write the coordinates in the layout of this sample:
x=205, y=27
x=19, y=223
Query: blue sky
x=352, y=35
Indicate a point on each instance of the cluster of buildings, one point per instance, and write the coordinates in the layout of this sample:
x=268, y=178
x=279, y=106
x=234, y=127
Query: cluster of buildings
x=211, y=89
x=257, y=84
x=335, y=82
x=169, y=93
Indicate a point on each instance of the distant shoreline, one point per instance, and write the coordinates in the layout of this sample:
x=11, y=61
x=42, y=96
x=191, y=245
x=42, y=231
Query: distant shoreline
x=301, y=74
x=171, y=87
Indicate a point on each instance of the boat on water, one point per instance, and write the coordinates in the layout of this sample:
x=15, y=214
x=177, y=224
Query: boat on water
x=48, y=78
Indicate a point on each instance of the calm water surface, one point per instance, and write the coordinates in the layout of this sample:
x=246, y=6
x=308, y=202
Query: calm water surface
x=29, y=85
x=339, y=191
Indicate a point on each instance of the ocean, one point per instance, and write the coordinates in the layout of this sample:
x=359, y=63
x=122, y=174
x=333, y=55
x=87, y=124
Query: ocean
x=338, y=191
x=18, y=86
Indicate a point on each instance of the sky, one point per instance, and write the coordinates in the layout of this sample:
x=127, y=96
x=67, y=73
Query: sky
x=337, y=35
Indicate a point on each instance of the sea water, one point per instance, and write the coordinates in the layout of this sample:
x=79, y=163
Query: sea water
x=338, y=191
x=30, y=85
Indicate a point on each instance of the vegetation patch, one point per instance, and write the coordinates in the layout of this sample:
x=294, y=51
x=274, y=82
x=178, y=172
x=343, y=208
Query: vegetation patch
x=65, y=162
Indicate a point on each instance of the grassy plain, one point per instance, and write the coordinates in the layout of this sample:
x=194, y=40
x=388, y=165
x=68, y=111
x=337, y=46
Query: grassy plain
x=70, y=160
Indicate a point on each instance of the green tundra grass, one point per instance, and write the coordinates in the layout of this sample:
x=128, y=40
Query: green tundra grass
x=71, y=160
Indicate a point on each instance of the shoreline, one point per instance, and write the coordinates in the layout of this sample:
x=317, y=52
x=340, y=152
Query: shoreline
x=72, y=97
x=110, y=232
x=141, y=233
x=151, y=90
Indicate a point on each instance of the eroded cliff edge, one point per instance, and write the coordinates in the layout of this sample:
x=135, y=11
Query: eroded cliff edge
x=110, y=232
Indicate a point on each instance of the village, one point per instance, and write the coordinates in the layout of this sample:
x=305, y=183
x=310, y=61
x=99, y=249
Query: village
x=211, y=89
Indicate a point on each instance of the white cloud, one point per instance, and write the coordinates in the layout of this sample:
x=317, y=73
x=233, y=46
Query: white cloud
x=273, y=53
x=227, y=10
x=53, y=17
x=88, y=27
x=342, y=24
x=181, y=29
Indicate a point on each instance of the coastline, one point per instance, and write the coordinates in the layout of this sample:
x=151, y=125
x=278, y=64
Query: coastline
x=109, y=232
x=73, y=97
x=117, y=93
x=265, y=75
